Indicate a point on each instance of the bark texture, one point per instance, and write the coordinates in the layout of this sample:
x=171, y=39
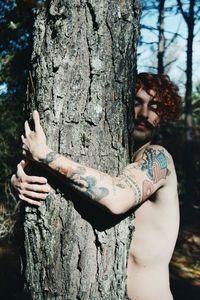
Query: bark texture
x=82, y=83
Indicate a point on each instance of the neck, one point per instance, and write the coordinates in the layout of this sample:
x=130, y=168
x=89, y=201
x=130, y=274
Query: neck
x=138, y=147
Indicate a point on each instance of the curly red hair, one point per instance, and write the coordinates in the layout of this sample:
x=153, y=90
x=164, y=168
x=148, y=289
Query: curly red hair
x=166, y=92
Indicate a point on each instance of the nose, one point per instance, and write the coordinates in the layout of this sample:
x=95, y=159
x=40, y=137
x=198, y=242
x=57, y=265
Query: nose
x=143, y=111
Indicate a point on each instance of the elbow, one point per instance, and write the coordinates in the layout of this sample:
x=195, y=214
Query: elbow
x=116, y=208
x=117, y=212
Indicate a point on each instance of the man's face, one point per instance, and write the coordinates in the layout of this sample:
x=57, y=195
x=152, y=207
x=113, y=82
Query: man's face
x=147, y=117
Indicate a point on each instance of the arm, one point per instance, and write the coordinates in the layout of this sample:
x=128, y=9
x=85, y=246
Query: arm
x=134, y=185
x=137, y=182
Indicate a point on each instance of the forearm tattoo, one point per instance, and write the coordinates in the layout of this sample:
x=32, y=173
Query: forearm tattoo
x=78, y=178
x=87, y=184
x=51, y=156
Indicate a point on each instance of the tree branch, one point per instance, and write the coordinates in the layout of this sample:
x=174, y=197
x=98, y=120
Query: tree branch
x=184, y=14
x=170, y=62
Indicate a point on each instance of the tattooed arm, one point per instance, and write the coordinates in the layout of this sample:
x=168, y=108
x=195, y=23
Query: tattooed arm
x=137, y=182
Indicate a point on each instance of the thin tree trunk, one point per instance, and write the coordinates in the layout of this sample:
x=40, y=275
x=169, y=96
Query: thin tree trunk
x=189, y=143
x=84, y=59
x=188, y=94
x=161, y=38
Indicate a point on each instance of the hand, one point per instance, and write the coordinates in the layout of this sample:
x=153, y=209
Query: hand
x=34, y=142
x=31, y=189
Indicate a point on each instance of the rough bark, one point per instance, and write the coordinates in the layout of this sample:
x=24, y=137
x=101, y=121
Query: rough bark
x=82, y=83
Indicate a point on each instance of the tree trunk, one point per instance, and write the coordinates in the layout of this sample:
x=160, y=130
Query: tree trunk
x=161, y=38
x=82, y=83
x=189, y=138
x=189, y=147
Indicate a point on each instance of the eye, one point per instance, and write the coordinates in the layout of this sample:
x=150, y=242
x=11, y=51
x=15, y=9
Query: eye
x=155, y=106
x=137, y=101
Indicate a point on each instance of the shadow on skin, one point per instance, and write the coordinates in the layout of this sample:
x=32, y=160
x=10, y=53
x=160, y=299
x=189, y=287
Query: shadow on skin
x=99, y=218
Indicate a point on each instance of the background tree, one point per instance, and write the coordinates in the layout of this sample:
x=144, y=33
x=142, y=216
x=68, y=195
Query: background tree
x=83, y=67
x=190, y=176
x=196, y=131
x=161, y=53
x=171, y=38
x=161, y=39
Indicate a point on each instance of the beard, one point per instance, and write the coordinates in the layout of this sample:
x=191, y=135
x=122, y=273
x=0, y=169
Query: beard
x=143, y=131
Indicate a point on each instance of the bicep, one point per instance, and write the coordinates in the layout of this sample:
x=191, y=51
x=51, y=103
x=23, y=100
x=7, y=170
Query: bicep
x=147, y=175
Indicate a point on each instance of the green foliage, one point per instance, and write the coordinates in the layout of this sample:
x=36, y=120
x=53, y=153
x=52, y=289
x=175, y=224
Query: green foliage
x=11, y=122
x=16, y=20
x=15, y=35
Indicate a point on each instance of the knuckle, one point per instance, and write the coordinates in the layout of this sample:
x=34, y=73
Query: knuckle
x=13, y=178
x=21, y=197
x=21, y=185
x=43, y=196
x=23, y=178
x=43, y=189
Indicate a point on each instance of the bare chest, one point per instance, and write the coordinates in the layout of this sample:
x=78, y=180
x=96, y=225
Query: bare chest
x=156, y=229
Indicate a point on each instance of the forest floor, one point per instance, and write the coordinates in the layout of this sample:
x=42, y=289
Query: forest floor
x=184, y=267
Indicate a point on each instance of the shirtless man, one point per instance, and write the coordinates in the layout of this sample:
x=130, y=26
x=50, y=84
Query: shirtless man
x=148, y=185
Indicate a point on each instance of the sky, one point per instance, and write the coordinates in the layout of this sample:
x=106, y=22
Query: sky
x=177, y=50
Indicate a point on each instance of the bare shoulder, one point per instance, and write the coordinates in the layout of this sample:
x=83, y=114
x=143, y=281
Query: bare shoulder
x=157, y=162
x=155, y=153
x=152, y=171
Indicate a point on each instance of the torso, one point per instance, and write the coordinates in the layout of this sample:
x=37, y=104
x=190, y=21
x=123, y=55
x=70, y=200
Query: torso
x=154, y=238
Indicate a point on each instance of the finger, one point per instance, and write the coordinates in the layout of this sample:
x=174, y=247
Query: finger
x=24, y=140
x=24, y=147
x=30, y=179
x=13, y=180
x=42, y=188
x=25, y=153
x=36, y=179
x=23, y=163
x=30, y=201
x=20, y=169
x=33, y=195
x=36, y=119
x=20, y=174
x=27, y=128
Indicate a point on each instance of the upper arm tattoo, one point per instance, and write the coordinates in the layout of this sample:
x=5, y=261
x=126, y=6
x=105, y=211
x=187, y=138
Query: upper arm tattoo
x=125, y=180
x=155, y=163
x=147, y=189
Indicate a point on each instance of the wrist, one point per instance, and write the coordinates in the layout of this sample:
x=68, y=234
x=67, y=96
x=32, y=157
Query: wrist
x=48, y=157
